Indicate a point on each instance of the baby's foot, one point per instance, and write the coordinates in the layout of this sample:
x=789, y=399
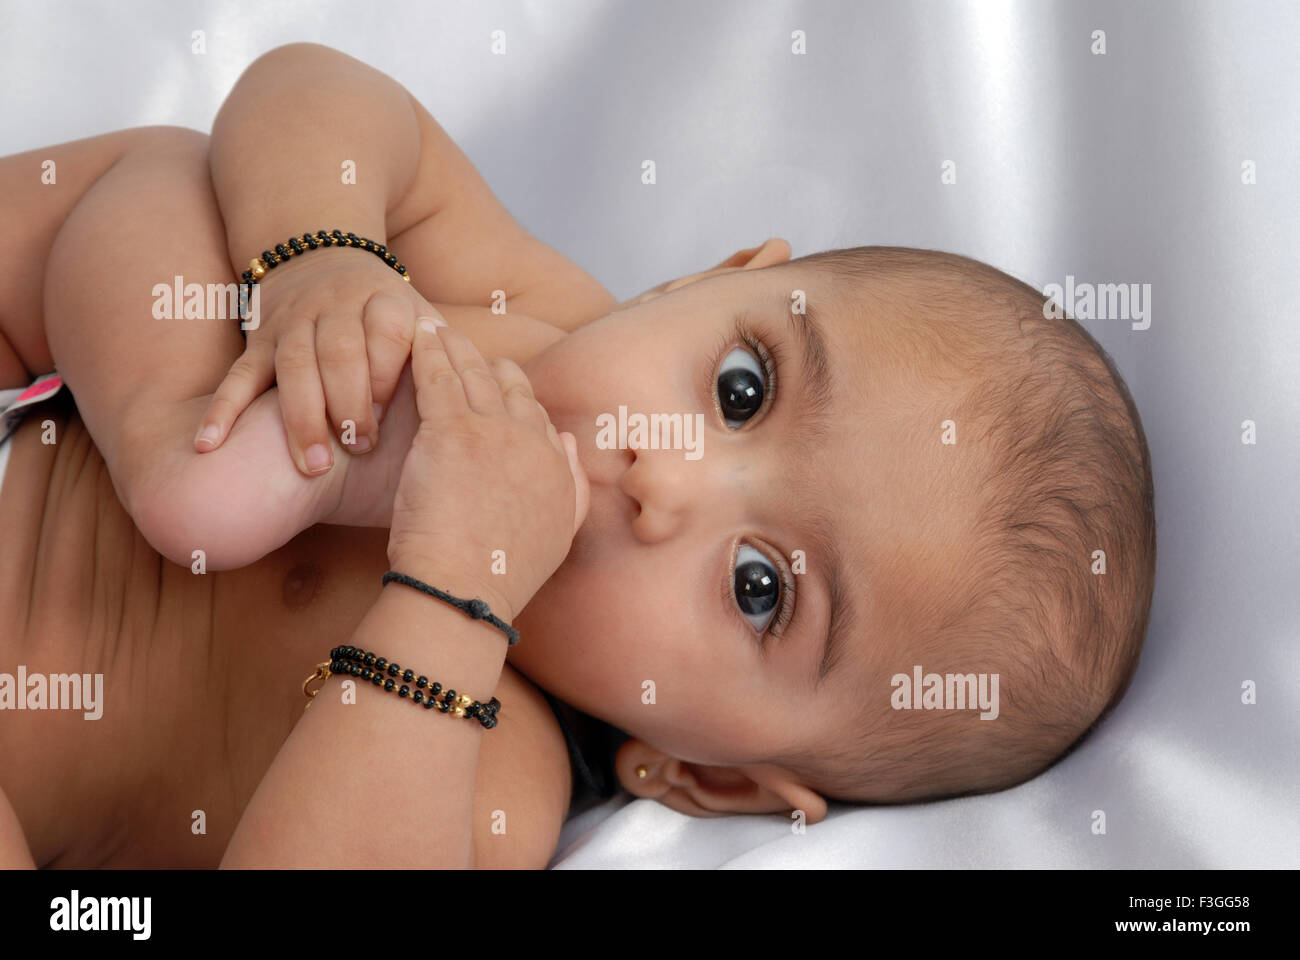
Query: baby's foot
x=246, y=498
x=237, y=503
x=368, y=483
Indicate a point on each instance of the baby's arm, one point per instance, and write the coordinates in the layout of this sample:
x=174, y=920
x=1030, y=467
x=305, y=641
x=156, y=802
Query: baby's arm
x=302, y=110
x=143, y=372
x=141, y=377
x=412, y=182
x=143, y=382
x=355, y=149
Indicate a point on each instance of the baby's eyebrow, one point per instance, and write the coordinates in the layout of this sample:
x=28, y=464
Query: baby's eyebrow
x=810, y=422
x=821, y=530
x=816, y=381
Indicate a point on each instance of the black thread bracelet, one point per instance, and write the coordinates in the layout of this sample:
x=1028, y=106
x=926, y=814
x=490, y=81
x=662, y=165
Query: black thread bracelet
x=258, y=267
x=475, y=608
x=366, y=665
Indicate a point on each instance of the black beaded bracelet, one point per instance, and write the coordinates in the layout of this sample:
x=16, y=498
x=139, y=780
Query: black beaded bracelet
x=294, y=246
x=475, y=608
x=356, y=662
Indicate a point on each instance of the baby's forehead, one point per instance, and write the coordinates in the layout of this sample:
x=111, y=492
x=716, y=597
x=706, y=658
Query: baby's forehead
x=853, y=313
x=807, y=299
x=904, y=502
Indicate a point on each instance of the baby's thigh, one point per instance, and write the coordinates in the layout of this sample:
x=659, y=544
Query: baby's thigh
x=38, y=189
x=128, y=348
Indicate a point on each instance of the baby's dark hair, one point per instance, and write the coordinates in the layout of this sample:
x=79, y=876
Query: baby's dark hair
x=1056, y=451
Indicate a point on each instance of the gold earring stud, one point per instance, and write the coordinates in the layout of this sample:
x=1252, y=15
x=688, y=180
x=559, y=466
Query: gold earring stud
x=641, y=771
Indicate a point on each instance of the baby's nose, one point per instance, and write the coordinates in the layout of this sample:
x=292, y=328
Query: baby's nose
x=672, y=492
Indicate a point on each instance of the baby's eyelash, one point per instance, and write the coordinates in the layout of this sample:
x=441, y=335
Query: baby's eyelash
x=769, y=357
x=784, y=614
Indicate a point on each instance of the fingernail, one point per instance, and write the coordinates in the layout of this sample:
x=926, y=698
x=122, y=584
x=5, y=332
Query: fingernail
x=378, y=411
x=209, y=435
x=431, y=324
x=362, y=444
x=318, y=457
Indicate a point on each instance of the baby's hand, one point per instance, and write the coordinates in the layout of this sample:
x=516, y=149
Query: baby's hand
x=335, y=332
x=486, y=472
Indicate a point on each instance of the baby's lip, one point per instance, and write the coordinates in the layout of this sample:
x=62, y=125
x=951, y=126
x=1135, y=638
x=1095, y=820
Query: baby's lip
x=604, y=468
x=610, y=512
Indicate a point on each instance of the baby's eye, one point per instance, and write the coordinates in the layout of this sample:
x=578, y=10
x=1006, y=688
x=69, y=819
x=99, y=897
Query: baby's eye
x=740, y=387
x=757, y=586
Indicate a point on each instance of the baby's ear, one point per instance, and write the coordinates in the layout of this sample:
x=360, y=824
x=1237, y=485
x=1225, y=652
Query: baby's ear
x=769, y=253
x=703, y=790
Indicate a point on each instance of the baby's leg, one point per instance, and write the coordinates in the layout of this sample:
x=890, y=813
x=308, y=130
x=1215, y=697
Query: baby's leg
x=142, y=382
x=146, y=219
x=38, y=189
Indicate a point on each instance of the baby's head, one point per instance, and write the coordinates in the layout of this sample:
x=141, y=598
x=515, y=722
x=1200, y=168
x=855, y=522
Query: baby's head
x=902, y=464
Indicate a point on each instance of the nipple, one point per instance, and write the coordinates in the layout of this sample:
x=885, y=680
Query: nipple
x=301, y=585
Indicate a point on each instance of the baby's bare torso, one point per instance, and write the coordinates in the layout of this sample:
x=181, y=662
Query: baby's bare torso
x=202, y=675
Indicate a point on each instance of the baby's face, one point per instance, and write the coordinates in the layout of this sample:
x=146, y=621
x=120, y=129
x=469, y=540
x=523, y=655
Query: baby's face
x=823, y=513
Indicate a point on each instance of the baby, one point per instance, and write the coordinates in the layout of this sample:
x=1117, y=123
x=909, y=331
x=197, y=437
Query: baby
x=909, y=556
x=917, y=471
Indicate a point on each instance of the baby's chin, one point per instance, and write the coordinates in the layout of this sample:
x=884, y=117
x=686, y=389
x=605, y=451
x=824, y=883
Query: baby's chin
x=552, y=631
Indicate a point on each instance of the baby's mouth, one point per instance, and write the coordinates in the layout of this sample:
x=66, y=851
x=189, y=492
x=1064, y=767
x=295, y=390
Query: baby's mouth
x=602, y=469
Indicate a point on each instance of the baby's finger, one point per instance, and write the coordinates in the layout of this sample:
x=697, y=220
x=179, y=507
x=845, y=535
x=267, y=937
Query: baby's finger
x=517, y=392
x=249, y=377
x=582, y=489
x=551, y=435
x=390, y=328
x=438, y=391
x=345, y=379
x=302, y=401
x=482, y=391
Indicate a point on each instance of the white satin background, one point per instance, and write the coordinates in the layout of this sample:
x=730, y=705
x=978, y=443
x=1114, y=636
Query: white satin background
x=1122, y=168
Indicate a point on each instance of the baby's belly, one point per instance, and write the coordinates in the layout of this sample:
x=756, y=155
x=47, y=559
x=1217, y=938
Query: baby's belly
x=187, y=682
x=81, y=596
x=200, y=674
